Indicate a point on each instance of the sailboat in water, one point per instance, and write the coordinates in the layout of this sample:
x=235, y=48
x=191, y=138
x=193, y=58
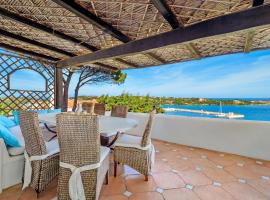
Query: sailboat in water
x=229, y=115
x=220, y=114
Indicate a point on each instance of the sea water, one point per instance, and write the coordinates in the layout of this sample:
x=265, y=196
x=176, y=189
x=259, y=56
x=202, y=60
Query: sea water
x=251, y=112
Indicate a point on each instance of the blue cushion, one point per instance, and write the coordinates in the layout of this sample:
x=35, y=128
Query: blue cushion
x=5, y=121
x=16, y=117
x=16, y=114
x=9, y=139
x=55, y=110
x=39, y=111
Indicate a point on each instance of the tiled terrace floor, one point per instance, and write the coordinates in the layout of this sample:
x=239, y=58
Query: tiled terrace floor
x=182, y=173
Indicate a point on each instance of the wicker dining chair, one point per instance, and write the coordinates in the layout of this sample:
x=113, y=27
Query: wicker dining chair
x=119, y=111
x=133, y=150
x=88, y=107
x=79, y=142
x=99, y=108
x=43, y=171
x=108, y=139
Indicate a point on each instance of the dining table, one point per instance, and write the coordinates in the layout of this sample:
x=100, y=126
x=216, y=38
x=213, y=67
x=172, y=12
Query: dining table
x=109, y=127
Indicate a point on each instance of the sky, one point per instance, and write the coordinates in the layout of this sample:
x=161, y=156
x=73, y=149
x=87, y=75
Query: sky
x=242, y=75
x=28, y=83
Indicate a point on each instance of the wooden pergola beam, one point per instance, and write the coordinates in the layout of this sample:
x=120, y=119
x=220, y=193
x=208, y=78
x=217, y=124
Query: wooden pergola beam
x=104, y=66
x=33, y=42
x=83, y=13
x=193, y=50
x=27, y=52
x=166, y=12
x=154, y=57
x=257, y=3
x=41, y=27
x=253, y=17
x=124, y=62
x=248, y=42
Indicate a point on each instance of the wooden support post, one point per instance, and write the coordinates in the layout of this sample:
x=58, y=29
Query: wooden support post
x=58, y=88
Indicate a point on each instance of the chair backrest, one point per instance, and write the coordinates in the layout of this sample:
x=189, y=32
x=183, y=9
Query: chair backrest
x=99, y=109
x=119, y=111
x=88, y=107
x=146, y=138
x=33, y=137
x=79, y=138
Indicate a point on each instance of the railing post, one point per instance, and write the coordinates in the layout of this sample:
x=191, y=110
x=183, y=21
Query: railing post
x=58, y=88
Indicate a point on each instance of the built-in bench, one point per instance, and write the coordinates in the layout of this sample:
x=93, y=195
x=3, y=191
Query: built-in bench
x=11, y=167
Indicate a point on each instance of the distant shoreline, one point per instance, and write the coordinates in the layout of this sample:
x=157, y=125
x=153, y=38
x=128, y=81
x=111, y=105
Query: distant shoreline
x=187, y=101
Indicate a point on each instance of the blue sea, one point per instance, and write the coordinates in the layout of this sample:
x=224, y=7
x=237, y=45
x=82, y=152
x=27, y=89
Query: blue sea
x=251, y=112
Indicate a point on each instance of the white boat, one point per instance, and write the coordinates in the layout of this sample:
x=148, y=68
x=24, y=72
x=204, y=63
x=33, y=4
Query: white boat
x=221, y=115
x=232, y=115
x=229, y=115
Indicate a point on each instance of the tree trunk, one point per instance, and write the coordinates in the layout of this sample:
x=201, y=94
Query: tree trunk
x=65, y=98
x=75, y=102
x=65, y=93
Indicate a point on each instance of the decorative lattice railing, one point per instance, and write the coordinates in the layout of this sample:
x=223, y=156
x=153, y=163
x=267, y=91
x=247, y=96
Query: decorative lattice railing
x=24, y=99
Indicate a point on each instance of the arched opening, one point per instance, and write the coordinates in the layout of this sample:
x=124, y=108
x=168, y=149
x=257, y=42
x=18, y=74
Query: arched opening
x=27, y=80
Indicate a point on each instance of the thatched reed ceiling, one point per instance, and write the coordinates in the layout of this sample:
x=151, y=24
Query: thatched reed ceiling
x=110, y=23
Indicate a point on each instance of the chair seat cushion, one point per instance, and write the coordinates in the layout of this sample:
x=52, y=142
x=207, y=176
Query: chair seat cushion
x=128, y=141
x=52, y=146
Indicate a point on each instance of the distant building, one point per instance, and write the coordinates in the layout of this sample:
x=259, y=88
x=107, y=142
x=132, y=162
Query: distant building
x=70, y=102
x=202, y=99
x=236, y=101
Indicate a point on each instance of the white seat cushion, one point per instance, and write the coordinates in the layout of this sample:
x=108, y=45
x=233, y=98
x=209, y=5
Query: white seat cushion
x=15, y=151
x=129, y=141
x=52, y=146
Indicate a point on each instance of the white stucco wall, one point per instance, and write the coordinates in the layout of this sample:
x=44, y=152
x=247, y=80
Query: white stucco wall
x=247, y=138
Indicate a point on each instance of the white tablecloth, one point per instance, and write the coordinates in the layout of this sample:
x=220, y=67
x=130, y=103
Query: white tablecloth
x=107, y=124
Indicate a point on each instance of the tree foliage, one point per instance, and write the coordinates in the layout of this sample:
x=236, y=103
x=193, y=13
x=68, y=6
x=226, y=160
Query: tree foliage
x=89, y=75
x=142, y=104
x=146, y=103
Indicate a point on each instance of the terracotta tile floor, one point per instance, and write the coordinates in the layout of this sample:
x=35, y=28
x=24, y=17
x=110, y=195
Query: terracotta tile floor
x=181, y=173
